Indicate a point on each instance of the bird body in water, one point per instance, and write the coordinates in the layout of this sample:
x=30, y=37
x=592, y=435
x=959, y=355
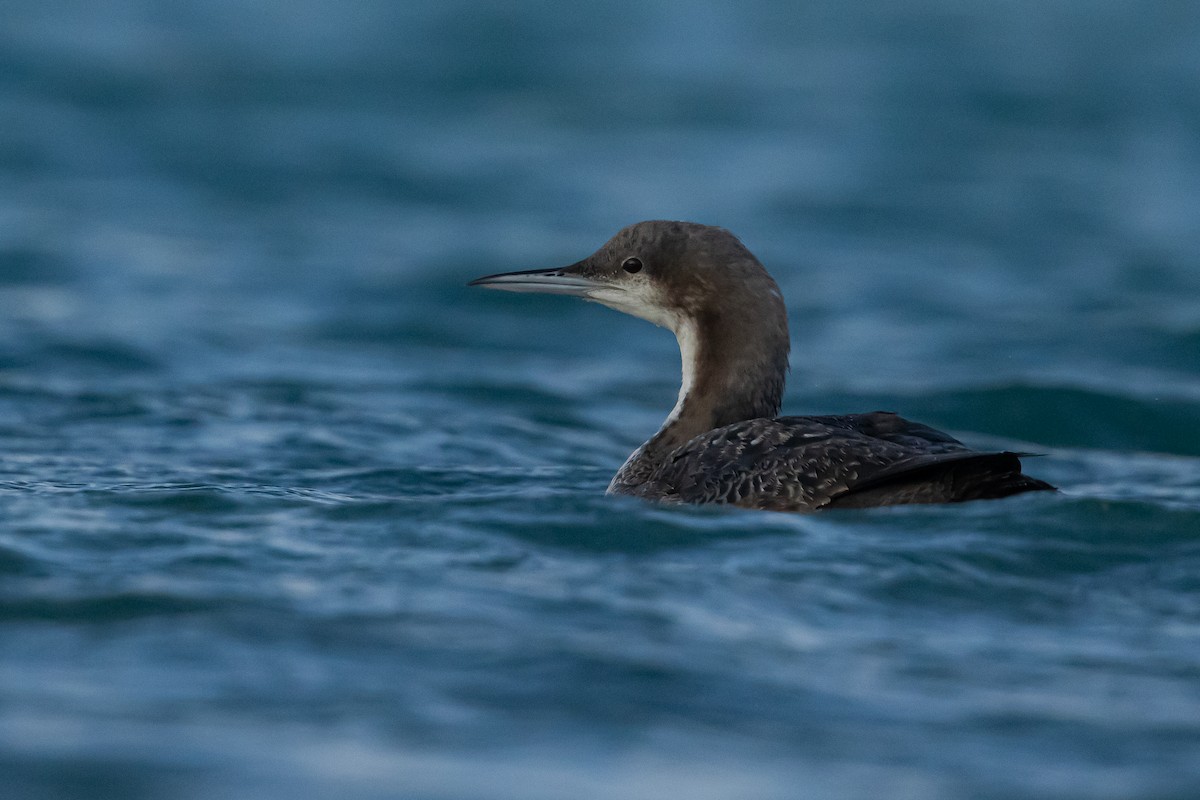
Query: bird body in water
x=723, y=441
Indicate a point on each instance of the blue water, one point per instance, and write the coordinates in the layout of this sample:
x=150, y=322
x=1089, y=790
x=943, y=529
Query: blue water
x=287, y=511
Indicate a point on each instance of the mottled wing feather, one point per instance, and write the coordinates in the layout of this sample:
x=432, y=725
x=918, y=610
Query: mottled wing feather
x=803, y=463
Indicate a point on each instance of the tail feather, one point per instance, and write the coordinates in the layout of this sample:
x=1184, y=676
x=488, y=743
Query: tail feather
x=1001, y=477
x=966, y=476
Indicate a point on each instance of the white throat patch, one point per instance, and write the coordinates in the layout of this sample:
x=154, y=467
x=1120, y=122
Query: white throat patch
x=639, y=302
x=635, y=301
x=689, y=353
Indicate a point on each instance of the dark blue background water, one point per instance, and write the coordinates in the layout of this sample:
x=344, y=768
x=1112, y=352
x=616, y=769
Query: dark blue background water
x=287, y=511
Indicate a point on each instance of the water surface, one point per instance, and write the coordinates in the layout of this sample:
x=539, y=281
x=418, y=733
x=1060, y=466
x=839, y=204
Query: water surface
x=288, y=511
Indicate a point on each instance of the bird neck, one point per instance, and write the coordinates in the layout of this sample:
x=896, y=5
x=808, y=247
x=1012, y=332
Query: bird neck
x=733, y=370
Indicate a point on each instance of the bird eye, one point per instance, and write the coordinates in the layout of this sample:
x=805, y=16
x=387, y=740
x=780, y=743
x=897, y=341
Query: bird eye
x=632, y=265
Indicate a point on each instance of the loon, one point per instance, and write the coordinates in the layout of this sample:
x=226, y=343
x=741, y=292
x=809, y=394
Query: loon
x=723, y=441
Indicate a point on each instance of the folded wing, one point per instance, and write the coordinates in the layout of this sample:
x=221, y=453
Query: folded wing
x=850, y=461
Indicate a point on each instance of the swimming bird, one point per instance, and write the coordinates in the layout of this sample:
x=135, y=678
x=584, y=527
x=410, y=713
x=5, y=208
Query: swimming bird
x=723, y=441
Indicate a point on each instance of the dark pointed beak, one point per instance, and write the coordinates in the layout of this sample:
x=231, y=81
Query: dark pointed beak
x=560, y=280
